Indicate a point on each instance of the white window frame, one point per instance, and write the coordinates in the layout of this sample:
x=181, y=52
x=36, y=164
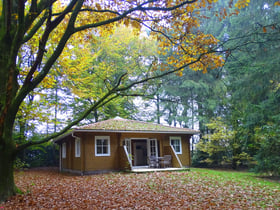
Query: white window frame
x=77, y=147
x=152, y=147
x=127, y=143
x=107, y=138
x=180, y=143
x=63, y=148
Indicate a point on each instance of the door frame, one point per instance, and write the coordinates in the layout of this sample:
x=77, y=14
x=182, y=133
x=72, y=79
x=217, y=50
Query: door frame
x=152, y=147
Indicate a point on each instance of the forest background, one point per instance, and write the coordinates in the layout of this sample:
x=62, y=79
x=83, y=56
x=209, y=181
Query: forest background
x=236, y=106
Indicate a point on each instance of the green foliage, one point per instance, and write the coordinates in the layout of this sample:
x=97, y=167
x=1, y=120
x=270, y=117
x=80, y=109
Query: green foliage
x=46, y=154
x=20, y=164
x=221, y=147
x=198, y=158
x=251, y=77
x=105, y=62
x=218, y=144
x=268, y=156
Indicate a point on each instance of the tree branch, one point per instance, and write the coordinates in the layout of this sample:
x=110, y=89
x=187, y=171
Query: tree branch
x=34, y=12
x=130, y=11
x=35, y=28
x=111, y=95
x=104, y=100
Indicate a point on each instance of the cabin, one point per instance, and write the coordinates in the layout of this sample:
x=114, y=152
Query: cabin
x=120, y=144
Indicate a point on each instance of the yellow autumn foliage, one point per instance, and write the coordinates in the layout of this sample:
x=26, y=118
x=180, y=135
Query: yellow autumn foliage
x=175, y=29
x=242, y=3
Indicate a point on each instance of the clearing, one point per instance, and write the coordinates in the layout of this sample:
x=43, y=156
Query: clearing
x=194, y=189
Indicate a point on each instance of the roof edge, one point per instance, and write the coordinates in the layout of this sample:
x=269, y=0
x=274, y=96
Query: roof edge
x=136, y=131
x=62, y=136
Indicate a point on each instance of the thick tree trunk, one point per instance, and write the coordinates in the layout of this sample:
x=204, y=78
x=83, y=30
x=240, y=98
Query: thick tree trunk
x=7, y=144
x=7, y=185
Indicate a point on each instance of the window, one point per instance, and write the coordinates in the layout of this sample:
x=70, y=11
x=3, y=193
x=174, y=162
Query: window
x=64, y=150
x=77, y=147
x=153, y=147
x=102, y=146
x=175, y=142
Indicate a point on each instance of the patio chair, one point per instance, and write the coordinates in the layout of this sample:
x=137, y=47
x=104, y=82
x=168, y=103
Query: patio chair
x=153, y=162
x=166, y=161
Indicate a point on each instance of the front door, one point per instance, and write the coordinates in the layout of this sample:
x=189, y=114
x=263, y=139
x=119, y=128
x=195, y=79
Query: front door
x=139, y=152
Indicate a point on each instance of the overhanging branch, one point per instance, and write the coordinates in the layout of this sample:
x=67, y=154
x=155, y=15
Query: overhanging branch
x=140, y=7
x=112, y=94
x=103, y=101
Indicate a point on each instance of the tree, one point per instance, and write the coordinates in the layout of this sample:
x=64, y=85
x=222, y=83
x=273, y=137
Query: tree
x=123, y=51
x=221, y=147
x=217, y=144
x=42, y=30
x=243, y=91
x=250, y=73
x=268, y=158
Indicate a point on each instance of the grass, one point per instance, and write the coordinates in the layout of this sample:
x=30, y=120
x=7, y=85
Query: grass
x=238, y=176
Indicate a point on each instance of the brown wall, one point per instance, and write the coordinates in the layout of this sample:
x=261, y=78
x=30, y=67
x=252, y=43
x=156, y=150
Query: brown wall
x=66, y=162
x=92, y=162
x=185, y=157
x=71, y=162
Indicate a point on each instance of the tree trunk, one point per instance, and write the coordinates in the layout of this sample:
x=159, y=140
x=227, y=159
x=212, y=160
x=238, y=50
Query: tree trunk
x=7, y=144
x=7, y=184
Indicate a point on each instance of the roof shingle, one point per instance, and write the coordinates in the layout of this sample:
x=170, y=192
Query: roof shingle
x=119, y=124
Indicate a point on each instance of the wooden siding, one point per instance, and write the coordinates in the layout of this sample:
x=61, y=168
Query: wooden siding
x=71, y=162
x=185, y=157
x=66, y=162
x=174, y=161
x=117, y=160
x=123, y=161
x=94, y=163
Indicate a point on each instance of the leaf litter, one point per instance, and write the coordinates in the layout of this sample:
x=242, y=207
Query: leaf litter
x=49, y=189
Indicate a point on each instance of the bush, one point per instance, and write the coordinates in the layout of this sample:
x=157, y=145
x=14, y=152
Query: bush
x=19, y=164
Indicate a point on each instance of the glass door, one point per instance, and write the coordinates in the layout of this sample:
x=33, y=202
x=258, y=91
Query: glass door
x=152, y=147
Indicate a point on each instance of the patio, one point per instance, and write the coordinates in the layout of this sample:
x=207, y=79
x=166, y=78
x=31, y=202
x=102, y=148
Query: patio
x=146, y=169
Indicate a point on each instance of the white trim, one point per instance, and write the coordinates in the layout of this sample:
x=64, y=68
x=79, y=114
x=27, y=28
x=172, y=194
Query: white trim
x=180, y=143
x=77, y=147
x=60, y=159
x=107, y=138
x=176, y=156
x=149, y=148
x=127, y=144
x=127, y=155
x=64, y=150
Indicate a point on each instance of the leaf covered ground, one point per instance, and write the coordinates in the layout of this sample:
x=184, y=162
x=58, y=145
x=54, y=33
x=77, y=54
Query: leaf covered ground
x=195, y=189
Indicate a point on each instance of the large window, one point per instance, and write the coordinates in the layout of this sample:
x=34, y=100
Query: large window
x=102, y=146
x=175, y=142
x=64, y=150
x=77, y=147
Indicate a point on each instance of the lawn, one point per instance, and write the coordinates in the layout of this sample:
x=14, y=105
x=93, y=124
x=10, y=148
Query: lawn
x=194, y=189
